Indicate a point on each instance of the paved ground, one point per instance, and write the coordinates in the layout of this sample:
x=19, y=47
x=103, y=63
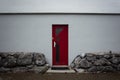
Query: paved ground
x=60, y=76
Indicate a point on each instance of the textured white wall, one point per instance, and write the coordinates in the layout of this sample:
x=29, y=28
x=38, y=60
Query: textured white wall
x=66, y=6
x=87, y=33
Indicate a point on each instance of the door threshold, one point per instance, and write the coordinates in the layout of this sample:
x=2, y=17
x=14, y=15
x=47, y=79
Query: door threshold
x=60, y=71
x=60, y=67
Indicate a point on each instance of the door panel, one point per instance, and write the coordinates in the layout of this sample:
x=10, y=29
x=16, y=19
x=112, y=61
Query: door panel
x=60, y=44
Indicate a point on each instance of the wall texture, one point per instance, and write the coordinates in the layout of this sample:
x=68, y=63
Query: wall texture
x=32, y=33
x=65, y=6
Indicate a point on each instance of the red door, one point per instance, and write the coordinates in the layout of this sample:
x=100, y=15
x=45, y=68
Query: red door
x=60, y=44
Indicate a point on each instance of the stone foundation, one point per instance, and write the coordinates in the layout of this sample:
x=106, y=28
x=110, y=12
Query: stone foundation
x=12, y=62
x=97, y=62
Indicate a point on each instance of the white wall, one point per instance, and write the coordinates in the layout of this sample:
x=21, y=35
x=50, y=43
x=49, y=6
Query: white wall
x=65, y=6
x=87, y=33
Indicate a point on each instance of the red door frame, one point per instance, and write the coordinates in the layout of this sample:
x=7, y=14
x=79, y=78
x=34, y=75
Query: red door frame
x=60, y=44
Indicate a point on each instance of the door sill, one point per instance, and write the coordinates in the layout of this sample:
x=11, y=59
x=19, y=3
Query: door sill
x=60, y=67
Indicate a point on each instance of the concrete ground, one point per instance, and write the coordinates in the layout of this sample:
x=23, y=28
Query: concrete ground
x=60, y=76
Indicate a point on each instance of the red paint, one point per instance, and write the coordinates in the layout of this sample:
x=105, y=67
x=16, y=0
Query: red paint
x=62, y=40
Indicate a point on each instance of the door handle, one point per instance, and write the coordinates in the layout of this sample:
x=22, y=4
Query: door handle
x=54, y=43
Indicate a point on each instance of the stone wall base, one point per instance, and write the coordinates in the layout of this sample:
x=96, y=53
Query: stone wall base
x=22, y=62
x=100, y=62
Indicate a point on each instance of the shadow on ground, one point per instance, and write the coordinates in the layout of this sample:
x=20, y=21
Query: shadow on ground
x=62, y=76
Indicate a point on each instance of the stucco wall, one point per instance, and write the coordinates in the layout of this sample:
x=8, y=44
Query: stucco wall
x=32, y=33
x=56, y=6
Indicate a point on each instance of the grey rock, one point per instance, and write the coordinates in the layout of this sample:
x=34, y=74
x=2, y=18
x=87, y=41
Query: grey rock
x=108, y=69
x=92, y=69
x=39, y=59
x=10, y=62
x=22, y=62
x=101, y=62
x=17, y=54
x=5, y=70
x=100, y=68
x=3, y=54
x=114, y=66
x=72, y=65
x=84, y=64
x=30, y=66
x=118, y=67
x=96, y=69
x=115, y=60
x=108, y=56
x=2, y=62
x=89, y=54
x=10, y=53
x=116, y=54
x=79, y=70
x=91, y=58
x=0, y=58
x=99, y=56
x=19, y=69
x=39, y=69
x=76, y=61
x=44, y=70
x=25, y=59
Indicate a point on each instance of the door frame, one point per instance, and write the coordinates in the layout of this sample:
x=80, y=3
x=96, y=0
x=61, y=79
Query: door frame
x=66, y=25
